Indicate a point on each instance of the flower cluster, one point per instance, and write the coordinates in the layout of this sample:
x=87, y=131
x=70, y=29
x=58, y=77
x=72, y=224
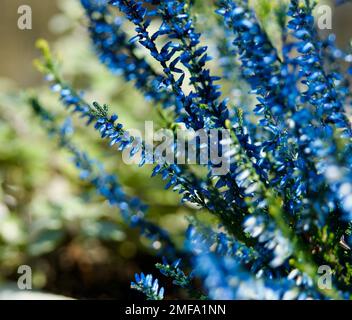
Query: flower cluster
x=149, y=287
x=284, y=206
x=120, y=55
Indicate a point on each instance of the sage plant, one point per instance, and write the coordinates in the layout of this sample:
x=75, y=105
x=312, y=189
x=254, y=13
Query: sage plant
x=284, y=206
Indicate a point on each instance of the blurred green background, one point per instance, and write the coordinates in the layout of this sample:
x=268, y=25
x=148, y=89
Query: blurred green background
x=49, y=219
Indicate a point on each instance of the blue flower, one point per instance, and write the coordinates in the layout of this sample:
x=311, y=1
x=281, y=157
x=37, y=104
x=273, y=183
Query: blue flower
x=119, y=54
x=148, y=286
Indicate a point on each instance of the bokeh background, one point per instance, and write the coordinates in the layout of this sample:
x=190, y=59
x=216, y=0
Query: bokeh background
x=49, y=219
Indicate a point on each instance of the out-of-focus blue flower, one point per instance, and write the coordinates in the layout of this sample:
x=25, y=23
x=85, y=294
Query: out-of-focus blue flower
x=226, y=279
x=321, y=92
x=259, y=61
x=339, y=2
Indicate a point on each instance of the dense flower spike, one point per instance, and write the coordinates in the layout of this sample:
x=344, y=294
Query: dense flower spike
x=270, y=83
x=260, y=66
x=321, y=92
x=259, y=63
x=119, y=55
x=174, y=77
x=285, y=204
x=178, y=25
x=323, y=112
